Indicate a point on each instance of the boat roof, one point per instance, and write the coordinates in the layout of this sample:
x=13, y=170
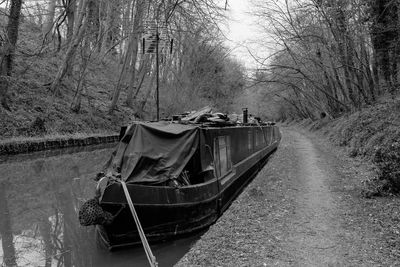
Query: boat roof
x=153, y=152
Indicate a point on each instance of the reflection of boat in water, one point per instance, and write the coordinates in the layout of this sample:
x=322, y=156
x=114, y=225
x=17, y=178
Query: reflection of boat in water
x=180, y=177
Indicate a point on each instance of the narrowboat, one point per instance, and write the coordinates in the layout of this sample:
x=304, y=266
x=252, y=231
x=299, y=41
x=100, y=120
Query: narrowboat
x=180, y=176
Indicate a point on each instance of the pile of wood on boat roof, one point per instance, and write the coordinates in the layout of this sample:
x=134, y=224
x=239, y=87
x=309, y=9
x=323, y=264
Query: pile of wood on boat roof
x=207, y=117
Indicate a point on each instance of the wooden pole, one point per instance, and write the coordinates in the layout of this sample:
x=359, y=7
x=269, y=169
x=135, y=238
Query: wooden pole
x=150, y=257
x=158, y=76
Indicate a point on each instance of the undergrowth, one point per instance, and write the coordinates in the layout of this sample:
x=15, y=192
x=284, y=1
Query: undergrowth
x=372, y=133
x=34, y=111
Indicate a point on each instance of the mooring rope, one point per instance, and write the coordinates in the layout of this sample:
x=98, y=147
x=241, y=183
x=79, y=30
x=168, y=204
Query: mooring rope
x=150, y=257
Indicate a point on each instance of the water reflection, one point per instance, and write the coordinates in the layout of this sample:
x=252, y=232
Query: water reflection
x=39, y=199
x=5, y=228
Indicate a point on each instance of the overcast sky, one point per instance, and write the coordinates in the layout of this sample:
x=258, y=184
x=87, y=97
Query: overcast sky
x=243, y=33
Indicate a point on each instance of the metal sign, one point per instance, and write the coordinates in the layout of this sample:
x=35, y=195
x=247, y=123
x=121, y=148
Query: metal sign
x=152, y=34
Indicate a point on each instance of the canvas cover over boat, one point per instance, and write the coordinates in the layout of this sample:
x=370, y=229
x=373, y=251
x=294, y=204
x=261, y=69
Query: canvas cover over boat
x=153, y=153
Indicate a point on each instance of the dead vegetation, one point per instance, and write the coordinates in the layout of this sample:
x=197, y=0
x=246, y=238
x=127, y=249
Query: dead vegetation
x=372, y=133
x=35, y=111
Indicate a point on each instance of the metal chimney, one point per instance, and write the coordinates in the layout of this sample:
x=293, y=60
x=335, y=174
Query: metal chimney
x=245, y=118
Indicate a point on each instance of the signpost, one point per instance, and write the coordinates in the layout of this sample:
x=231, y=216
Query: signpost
x=155, y=41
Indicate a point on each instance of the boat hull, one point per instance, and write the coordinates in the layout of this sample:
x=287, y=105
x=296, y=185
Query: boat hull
x=167, y=212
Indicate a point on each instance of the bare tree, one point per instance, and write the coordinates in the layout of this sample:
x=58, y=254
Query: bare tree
x=7, y=50
x=49, y=19
x=80, y=28
x=324, y=53
x=70, y=8
x=384, y=16
x=137, y=25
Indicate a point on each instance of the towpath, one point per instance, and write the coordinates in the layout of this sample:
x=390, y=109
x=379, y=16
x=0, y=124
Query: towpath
x=304, y=209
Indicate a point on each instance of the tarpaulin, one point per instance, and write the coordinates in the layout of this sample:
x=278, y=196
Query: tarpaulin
x=154, y=152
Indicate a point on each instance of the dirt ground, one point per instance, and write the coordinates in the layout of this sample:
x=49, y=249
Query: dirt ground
x=304, y=209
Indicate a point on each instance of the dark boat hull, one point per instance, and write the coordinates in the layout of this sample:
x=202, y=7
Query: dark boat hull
x=176, y=227
x=167, y=212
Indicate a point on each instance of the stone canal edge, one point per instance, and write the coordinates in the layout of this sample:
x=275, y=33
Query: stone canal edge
x=303, y=209
x=17, y=147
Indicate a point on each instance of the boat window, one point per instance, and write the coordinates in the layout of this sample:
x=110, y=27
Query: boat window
x=250, y=140
x=222, y=155
x=259, y=137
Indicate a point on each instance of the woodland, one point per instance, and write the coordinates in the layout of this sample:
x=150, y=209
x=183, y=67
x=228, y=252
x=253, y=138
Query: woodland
x=88, y=66
x=331, y=57
x=328, y=57
x=83, y=60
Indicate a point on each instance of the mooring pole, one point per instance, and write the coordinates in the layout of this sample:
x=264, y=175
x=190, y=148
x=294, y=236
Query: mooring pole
x=158, y=76
x=150, y=257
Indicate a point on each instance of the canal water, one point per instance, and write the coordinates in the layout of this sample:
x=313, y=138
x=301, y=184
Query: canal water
x=40, y=194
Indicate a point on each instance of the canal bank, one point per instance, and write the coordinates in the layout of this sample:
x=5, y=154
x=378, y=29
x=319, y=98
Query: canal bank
x=34, y=145
x=304, y=209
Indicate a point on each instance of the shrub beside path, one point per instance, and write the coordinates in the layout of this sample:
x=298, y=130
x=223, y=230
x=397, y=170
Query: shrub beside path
x=304, y=209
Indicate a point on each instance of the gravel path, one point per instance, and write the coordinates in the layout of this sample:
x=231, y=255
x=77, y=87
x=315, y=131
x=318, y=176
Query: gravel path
x=303, y=209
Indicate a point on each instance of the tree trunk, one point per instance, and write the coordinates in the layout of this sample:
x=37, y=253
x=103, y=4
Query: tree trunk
x=326, y=79
x=147, y=96
x=365, y=58
x=345, y=57
x=117, y=89
x=384, y=35
x=69, y=55
x=8, y=50
x=70, y=12
x=338, y=81
x=106, y=33
x=76, y=101
x=93, y=17
x=126, y=22
x=143, y=69
x=136, y=26
x=48, y=24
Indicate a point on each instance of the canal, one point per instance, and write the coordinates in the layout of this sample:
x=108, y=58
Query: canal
x=40, y=194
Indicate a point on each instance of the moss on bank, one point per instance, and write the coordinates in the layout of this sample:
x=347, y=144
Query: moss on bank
x=50, y=143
